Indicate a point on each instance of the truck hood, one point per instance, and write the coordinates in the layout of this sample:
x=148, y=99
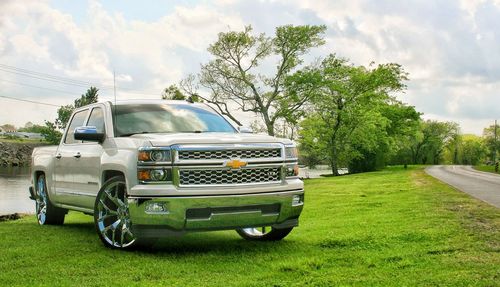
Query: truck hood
x=208, y=138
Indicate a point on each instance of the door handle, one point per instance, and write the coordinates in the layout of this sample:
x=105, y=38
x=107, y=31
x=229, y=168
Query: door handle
x=58, y=156
x=77, y=155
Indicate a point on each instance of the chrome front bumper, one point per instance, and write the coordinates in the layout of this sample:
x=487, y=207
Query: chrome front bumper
x=216, y=212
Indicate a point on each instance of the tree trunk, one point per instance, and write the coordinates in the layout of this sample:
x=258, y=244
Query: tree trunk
x=334, y=162
x=269, y=125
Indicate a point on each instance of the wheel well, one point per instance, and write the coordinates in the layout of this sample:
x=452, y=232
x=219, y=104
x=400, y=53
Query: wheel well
x=37, y=174
x=107, y=174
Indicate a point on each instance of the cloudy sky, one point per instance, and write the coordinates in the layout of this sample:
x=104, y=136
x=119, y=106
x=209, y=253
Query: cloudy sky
x=451, y=49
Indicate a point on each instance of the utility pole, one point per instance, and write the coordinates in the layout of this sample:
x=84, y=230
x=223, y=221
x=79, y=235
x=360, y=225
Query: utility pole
x=495, y=149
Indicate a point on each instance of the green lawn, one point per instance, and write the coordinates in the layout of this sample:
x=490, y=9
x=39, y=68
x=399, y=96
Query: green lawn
x=22, y=140
x=395, y=227
x=487, y=168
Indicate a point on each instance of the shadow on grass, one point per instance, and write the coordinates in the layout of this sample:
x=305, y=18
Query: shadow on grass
x=190, y=243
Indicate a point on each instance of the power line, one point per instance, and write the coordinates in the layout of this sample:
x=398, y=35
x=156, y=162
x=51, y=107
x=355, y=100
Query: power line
x=38, y=87
x=29, y=101
x=16, y=70
x=66, y=81
x=49, y=79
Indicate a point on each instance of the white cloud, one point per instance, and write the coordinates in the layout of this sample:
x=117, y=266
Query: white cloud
x=450, y=48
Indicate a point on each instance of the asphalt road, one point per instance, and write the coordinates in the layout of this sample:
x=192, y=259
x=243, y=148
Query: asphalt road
x=482, y=185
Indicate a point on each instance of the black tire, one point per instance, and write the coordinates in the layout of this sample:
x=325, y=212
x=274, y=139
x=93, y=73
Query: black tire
x=111, y=217
x=273, y=234
x=46, y=212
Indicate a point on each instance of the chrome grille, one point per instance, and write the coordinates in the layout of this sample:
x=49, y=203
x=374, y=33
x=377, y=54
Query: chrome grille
x=229, y=154
x=228, y=176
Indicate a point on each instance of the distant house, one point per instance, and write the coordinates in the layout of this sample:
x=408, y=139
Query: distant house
x=8, y=128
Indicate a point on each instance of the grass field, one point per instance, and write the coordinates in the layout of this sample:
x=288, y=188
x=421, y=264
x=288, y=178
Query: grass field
x=487, y=168
x=22, y=140
x=391, y=228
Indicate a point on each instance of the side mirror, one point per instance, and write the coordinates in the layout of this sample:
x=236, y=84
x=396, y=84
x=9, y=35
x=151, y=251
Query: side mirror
x=88, y=134
x=245, y=130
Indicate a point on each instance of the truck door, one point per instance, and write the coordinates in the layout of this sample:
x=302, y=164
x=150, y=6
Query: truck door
x=88, y=174
x=67, y=158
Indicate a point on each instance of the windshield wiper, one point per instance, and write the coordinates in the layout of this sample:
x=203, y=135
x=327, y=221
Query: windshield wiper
x=131, y=134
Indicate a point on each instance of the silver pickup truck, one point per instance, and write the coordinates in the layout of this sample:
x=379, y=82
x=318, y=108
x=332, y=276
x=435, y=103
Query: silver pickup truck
x=157, y=168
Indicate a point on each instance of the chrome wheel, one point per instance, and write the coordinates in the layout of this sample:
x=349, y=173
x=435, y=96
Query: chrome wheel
x=41, y=200
x=265, y=233
x=112, y=217
x=257, y=231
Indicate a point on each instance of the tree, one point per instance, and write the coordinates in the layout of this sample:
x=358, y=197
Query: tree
x=90, y=97
x=346, y=117
x=52, y=131
x=232, y=77
x=33, y=128
x=174, y=93
x=492, y=143
x=429, y=143
x=473, y=150
x=394, y=141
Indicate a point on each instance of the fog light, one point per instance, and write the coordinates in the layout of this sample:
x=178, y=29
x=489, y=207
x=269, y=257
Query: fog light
x=297, y=200
x=158, y=174
x=292, y=170
x=156, y=207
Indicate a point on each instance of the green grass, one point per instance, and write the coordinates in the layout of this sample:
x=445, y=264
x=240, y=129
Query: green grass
x=487, y=168
x=394, y=227
x=22, y=140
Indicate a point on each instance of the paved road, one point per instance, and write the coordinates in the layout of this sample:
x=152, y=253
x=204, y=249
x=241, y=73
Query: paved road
x=482, y=185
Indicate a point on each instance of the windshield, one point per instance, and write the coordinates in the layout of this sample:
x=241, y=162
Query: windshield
x=161, y=118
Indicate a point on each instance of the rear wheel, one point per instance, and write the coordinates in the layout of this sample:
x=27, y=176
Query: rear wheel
x=46, y=212
x=265, y=233
x=111, y=215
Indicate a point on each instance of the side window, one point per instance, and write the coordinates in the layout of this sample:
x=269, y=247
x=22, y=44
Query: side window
x=76, y=121
x=96, y=119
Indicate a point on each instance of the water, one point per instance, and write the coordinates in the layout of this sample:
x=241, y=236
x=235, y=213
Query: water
x=320, y=170
x=14, y=194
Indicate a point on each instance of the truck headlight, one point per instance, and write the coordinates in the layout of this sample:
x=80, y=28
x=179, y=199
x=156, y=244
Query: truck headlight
x=154, y=155
x=291, y=157
x=291, y=152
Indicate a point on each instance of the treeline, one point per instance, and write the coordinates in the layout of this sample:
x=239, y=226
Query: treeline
x=340, y=114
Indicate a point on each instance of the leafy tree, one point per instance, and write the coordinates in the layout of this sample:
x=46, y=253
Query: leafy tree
x=429, y=143
x=473, y=150
x=88, y=98
x=174, y=93
x=392, y=142
x=491, y=143
x=52, y=131
x=63, y=114
x=233, y=77
x=346, y=117
x=32, y=129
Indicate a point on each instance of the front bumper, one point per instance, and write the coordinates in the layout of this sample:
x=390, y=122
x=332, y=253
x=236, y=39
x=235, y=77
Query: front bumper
x=216, y=212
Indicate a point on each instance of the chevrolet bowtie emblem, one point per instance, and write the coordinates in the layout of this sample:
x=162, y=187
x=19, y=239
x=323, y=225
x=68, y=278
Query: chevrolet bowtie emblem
x=236, y=163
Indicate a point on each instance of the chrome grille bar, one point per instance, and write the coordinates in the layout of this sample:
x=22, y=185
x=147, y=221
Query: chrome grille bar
x=196, y=177
x=229, y=154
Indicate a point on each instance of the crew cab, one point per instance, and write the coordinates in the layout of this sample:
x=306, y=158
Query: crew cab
x=148, y=169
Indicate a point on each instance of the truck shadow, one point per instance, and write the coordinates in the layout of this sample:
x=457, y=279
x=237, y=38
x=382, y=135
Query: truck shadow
x=221, y=242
